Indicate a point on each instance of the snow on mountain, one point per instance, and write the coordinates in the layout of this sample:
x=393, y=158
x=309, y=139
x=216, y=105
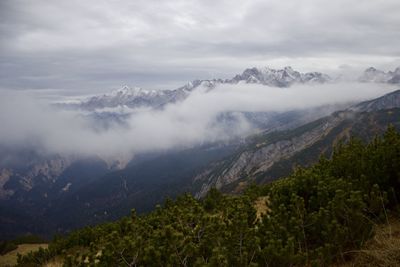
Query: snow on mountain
x=378, y=76
x=279, y=78
x=135, y=97
x=138, y=97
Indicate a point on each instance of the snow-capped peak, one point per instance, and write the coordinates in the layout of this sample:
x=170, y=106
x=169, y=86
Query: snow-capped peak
x=134, y=97
x=127, y=91
x=279, y=77
x=378, y=76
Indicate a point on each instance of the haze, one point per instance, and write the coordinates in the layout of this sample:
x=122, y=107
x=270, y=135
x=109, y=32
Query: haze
x=29, y=120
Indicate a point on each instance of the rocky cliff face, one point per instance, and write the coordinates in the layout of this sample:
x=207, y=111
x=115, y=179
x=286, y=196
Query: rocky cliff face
x=43, y=171
x=261, y=155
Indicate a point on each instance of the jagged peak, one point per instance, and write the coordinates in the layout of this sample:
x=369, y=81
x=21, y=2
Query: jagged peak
x=372, y=74
x=137, y=96
x=127, y=91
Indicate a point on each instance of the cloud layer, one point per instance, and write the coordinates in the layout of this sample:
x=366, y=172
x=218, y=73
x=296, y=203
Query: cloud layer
x=94, y=45
x=27, y=120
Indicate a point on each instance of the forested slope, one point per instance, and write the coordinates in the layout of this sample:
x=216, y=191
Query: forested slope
x=316, y=216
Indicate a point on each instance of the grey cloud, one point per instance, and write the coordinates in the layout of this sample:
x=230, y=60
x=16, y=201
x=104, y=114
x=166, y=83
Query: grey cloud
x=95, y=45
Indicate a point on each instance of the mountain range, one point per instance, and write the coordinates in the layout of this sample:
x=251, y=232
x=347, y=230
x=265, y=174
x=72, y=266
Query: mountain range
x=47, y=194
x=138, y=97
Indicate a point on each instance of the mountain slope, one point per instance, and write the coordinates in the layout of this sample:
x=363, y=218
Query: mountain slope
x=388, y=101
x=32, y=194
x=88, y=192
x=267, y=157
x=317, y=216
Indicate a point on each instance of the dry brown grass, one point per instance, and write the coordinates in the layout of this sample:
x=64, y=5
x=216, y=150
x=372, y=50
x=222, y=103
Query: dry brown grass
x=54, y=263
x=261, y=206
x=10, y=258
x=382, y=250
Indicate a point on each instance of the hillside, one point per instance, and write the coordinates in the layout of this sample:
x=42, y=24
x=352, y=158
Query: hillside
x=316, y=216
x=10, y=258
x=269, y=156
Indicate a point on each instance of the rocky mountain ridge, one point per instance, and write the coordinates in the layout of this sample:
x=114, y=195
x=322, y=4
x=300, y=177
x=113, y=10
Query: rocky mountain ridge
x=138, y=97
x=279, y=77
x=378, y=76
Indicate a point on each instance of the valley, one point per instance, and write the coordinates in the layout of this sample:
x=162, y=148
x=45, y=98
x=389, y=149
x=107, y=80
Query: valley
x=47, y=194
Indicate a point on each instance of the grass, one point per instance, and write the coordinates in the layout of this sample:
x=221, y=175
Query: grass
x=261, y=206
x=54, y=263
x=382, y=250
x=10, y=258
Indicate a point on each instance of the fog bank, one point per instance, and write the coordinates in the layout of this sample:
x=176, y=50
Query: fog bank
x=26, y=119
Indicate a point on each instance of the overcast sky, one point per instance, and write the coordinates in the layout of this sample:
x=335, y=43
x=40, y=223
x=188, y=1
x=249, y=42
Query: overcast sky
x=87, y=46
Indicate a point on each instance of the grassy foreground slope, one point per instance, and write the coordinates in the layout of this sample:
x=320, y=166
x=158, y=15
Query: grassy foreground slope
x=317, y=216
x=382, y=250
x=10, y=258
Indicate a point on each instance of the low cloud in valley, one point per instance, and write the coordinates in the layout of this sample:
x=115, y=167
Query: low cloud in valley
x=29, y=120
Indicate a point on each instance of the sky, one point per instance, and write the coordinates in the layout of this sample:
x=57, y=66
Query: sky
x=79, y=47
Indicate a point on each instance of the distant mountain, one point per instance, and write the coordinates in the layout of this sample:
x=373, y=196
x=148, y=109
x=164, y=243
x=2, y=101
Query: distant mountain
x=139, y=97
x=279, y=78
x=135, y=97
x=378, y=76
